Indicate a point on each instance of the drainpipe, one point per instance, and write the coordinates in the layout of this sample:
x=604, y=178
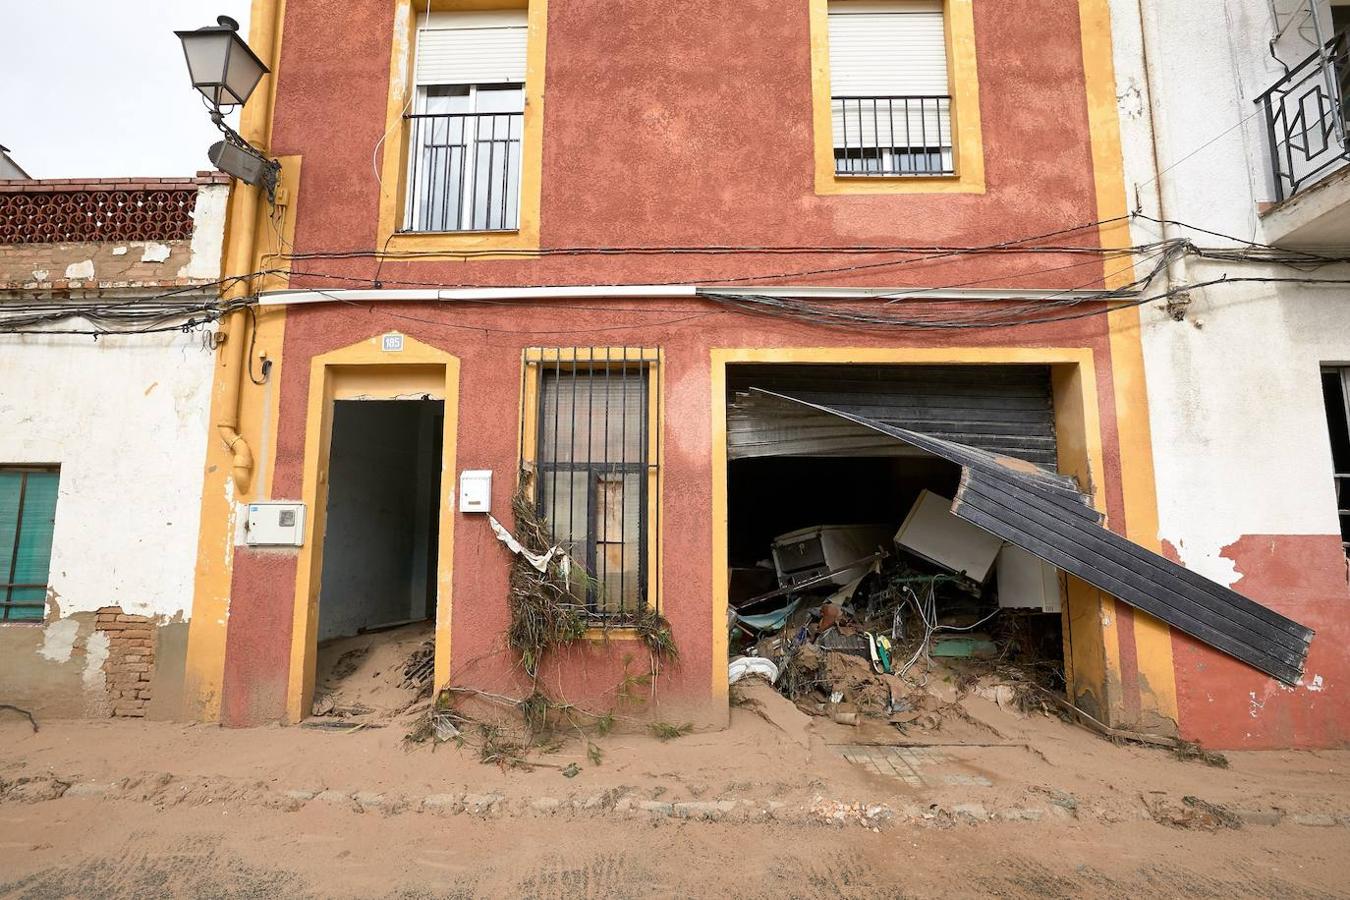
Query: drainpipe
x=255, y=126
x=1176, y=272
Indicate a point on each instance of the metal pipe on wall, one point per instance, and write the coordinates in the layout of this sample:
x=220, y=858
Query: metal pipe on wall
x=241, y=230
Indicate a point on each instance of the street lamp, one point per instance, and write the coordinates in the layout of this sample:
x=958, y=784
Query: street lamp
x=222, y=66
x=226, y=71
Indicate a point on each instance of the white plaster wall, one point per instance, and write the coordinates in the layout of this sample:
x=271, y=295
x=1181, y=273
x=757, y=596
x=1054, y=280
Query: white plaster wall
x=126, y=418
x=1239, y=430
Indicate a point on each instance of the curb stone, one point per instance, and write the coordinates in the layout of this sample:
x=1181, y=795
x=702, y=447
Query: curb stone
x=820, y=812
x=712, y=810
x=970, y=811
x=482, y=804
x=1021, y=814
x=88, y=789
x=444, y=802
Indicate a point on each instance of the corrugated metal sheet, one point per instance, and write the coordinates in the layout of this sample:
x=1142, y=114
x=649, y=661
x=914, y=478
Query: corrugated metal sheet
x=1001, y=409
x=1042, y=513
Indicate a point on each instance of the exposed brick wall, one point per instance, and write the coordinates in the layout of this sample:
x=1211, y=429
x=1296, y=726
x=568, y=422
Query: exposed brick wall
x=131, y=659
x=45, y=268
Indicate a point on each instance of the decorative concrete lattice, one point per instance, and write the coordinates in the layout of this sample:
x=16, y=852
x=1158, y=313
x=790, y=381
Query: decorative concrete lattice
x=45, y=213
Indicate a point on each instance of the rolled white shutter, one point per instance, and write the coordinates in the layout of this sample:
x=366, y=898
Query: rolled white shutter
x=888, y=49
x=472, y=48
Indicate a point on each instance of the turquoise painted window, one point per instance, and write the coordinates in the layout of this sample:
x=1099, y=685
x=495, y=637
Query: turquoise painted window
x=27, y=514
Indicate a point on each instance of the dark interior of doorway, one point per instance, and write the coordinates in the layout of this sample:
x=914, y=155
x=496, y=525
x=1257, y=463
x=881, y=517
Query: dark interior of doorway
x=771, y=496
x=377, y=596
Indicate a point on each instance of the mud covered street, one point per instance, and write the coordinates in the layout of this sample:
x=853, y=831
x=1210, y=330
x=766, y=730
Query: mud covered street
x=781, y=804
x=94, y=848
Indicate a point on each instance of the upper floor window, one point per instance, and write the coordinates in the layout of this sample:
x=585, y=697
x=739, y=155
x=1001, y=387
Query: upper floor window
x=466, y=122
x=890, y=103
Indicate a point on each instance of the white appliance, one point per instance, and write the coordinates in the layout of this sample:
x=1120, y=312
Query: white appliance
x=808, y=553
x=1025, y=581
x=933, y=532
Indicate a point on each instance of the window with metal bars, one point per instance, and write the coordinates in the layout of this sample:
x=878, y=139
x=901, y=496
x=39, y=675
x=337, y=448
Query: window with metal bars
x=27, y=517
x=1336, y=394
x=596, y=462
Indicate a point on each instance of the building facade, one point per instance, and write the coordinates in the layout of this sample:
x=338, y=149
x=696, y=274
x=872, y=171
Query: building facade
x=1245, y=378
x=102, y=433
x=561, y=256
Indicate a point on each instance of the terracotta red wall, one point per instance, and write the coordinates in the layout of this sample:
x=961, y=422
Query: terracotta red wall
x=1225, y=704
x=688, y=123
x=258, y=641
x=681, y=123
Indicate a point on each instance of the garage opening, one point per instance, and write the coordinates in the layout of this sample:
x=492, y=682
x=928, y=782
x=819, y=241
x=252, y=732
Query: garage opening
x=848, y=569
x=377, y=597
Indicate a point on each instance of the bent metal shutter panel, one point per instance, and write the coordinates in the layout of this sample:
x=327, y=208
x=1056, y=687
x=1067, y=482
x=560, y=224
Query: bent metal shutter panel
x=888, y=49
x=472, y=48
x=1041, y=512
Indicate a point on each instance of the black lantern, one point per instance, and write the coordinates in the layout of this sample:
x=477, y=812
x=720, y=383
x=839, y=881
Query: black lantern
x=221, y=64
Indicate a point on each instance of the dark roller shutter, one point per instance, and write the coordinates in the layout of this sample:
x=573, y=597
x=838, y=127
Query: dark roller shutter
x=1001, y=409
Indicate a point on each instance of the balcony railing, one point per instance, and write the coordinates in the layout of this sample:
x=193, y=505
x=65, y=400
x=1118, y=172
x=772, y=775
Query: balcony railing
x=463, y=172
x=1306, y=118
x=892, y=136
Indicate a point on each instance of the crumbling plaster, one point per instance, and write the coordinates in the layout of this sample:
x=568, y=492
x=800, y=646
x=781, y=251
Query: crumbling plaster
x=1235, y=396
x=126, y=419
x=1242, y=457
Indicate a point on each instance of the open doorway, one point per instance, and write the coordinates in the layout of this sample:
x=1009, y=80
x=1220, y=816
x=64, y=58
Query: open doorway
x=848, y=569
x=377, y=597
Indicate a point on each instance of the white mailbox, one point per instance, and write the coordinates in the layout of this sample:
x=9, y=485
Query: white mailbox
x=275, y=524
x=475, y=491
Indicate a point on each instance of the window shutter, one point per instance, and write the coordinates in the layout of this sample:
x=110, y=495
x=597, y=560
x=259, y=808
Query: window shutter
x=28, y=507
x=888, y=49
x=472, y=48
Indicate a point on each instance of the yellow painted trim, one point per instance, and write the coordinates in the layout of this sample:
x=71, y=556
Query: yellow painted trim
x=1153, y=639
x=1088, y=413
x=259, y=413
x=394, y=166
x=967, y=131
x=533, y=361
x=364, y=370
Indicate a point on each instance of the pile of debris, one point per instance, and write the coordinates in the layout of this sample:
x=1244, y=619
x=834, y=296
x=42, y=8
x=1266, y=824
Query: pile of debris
x=374, y=676
x=859, y=621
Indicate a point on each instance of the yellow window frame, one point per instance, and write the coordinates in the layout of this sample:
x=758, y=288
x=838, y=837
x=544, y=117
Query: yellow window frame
x=967, y=136
x=537, y=360
x=394, y=167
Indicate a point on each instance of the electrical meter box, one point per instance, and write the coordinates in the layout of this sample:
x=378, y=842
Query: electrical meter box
x=475, y=491
x=280, y=524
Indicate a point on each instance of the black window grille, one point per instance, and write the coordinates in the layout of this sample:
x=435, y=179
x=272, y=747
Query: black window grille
x=893, y=136
x=596, y=470
x=1306, y=118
